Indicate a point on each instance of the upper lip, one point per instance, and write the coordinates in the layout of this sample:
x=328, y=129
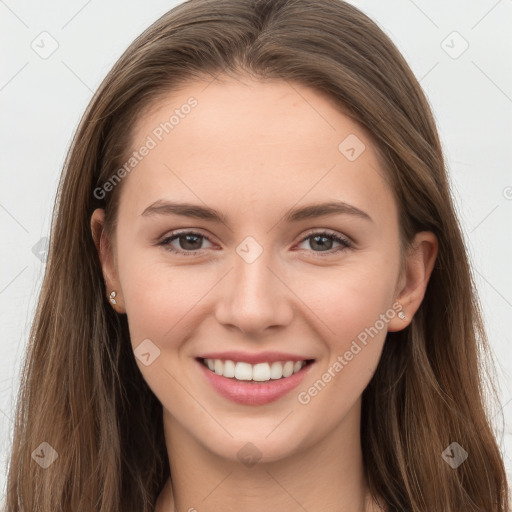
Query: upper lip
x=261, y=357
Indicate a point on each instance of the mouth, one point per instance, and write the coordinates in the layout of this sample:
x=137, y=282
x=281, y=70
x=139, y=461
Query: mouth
x=253, y=384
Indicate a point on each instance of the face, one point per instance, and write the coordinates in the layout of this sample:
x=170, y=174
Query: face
x=251, y=272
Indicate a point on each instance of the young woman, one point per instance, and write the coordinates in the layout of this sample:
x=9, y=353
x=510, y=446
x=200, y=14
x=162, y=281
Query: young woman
x=257, y=295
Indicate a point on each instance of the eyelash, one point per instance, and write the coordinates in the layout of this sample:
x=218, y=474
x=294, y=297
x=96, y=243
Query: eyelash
x=345, y=243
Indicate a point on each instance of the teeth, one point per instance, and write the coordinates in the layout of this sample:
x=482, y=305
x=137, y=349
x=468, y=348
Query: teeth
x=259, y=372
x=243, y=371
x=229, y=369
x=288, y=368
x=276, y=371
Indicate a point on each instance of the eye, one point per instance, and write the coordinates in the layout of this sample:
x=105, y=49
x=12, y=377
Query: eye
x=323, y=241
x=188, y=242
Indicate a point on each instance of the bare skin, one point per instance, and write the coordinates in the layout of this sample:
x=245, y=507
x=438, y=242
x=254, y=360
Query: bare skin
x=252, y=151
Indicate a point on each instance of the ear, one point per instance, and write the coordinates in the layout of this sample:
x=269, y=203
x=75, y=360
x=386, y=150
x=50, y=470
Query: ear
x=105, y=249
x=419, y=263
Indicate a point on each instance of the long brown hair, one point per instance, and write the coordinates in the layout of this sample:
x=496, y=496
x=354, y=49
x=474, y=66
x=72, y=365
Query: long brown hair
x=82, y=392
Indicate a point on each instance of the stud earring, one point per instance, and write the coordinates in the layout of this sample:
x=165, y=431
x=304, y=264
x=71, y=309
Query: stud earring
x=112, y=297
x=401, y=315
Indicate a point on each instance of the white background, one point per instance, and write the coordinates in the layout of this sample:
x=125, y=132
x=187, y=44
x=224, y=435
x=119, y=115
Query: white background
x=43, y=99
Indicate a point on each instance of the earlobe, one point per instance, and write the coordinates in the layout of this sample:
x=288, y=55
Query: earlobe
x=106, y=257
x=419, y=265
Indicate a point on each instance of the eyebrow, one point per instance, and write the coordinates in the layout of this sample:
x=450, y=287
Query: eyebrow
x=162, y=207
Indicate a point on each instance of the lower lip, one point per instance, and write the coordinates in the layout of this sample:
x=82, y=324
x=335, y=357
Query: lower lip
x=250, y=392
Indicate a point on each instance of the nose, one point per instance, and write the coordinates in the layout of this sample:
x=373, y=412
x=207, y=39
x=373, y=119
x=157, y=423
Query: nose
x=254, y=297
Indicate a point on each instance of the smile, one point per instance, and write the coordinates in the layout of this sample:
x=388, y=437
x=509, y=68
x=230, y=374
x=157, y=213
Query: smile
x=253, y=384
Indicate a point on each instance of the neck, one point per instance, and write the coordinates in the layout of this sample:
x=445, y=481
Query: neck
x=327, y=476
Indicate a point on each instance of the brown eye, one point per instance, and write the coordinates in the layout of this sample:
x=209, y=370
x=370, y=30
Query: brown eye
x=324, y=241
x=187, y=242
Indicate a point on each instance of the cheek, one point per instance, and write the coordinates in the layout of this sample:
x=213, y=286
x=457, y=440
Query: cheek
x=349, y=299
x=357, y=315
x=159, y=298
x=353, y=310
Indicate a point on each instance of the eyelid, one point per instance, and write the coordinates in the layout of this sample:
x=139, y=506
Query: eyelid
x=327, y=232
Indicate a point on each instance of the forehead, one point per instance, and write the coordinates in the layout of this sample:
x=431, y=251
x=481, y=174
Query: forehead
x=246, y=141
x=252, y=113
